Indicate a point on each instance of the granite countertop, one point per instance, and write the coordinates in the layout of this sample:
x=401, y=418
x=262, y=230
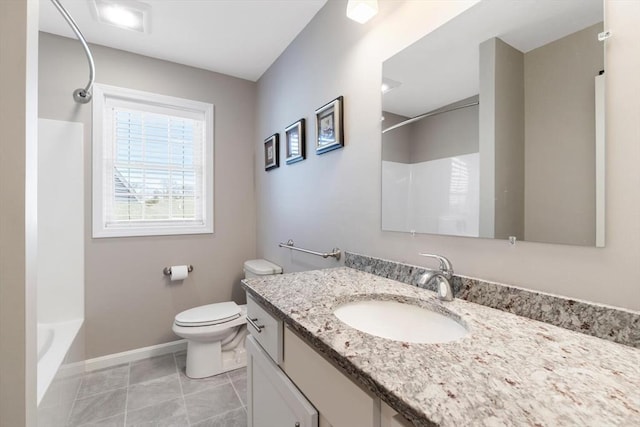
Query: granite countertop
x=509, y=370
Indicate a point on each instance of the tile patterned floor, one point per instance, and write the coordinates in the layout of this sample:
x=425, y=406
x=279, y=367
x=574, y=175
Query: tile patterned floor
x=151, y=392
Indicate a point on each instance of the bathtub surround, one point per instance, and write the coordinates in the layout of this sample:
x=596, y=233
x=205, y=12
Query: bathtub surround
x=61, y=183
x=609, y=323
x=334, y=199
x=129, y=302
x=60, y=244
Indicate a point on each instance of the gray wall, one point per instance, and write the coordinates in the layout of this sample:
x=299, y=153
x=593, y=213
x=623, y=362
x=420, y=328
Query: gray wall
x=334, y=199
x=486, y=137
x=560, y=136
x=501, y=140
x=509, y=141
x=445, y=135
x=129, y=303
x=437, y=137
x=18, y=209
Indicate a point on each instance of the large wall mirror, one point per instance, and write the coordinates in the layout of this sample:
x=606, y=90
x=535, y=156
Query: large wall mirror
x=493, y=125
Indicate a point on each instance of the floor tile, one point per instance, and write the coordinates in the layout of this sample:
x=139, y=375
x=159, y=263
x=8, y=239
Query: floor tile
x=191, y=385
x=181, y=360
x=150, y=369
x=115, y=421
x=54, y=416
x=239, y=381
x=242, y=372
x=103, y=380
x=61, y=391
x=176, y=421
x=212, y=402
x=97, y=407
x=151, y=392
x=55, y=407
x=235, y=418
x=171, y=413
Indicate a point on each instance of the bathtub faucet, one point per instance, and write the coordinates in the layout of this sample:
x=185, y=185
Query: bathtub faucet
x=439, y=277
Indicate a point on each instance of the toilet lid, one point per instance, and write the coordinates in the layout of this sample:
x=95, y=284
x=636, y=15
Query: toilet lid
x=262, y=267
x=211, y=314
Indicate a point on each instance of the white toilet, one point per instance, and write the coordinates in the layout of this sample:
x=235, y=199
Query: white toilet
x=215, y=333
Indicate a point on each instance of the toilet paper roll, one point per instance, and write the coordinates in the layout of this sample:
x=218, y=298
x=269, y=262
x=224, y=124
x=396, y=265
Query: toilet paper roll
x=179, y=272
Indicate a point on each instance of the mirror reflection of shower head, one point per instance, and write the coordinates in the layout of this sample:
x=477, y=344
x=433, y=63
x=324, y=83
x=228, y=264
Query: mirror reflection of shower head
x=82, y=96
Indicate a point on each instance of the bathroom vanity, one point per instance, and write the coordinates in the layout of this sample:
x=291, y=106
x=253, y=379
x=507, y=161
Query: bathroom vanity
x=507, y=370
x=285, y=374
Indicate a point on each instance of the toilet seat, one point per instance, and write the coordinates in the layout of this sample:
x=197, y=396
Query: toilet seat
x=209, y=315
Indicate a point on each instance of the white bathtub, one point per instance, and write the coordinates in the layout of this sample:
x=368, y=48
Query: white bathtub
x=54, y=340
x=45, y=339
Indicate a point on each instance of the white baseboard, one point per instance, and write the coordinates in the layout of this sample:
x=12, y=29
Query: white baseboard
x=115, y=359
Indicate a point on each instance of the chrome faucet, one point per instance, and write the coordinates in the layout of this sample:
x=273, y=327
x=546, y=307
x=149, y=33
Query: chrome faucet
x=440, y=277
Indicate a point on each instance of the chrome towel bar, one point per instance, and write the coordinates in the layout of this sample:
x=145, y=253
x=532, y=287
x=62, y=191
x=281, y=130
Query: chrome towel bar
x=335, y=252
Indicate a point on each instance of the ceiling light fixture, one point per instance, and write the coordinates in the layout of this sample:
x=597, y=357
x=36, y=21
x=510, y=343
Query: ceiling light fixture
x=127, y=14
x=362, y=10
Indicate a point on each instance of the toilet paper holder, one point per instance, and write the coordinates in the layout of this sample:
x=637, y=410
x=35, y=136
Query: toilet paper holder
x=167, y=270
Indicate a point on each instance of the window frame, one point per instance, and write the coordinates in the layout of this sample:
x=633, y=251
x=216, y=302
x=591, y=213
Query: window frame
x=102, y=94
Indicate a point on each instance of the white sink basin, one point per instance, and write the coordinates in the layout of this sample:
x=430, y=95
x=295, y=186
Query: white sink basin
x=400, y=321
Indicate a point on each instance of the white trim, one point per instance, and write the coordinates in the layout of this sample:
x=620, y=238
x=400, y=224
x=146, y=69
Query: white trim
x=115, y=359
x=102, y=95
x=600, y=161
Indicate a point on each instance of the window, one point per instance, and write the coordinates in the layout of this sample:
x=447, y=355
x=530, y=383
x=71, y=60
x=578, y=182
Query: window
x=152, y=164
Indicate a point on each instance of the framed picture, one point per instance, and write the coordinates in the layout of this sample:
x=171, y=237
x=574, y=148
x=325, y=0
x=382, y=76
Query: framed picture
x=329, y=130
x=295, y=139
x=272, y=152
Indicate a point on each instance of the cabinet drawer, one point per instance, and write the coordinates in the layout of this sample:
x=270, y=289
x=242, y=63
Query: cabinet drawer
x=265, y=328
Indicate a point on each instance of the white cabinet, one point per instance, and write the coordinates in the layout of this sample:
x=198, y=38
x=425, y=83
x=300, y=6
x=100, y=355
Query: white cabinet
x=273, y=399
x=279, y=400
x=340, y=401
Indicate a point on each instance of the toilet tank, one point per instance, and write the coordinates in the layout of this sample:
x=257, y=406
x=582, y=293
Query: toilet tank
x=260, y=267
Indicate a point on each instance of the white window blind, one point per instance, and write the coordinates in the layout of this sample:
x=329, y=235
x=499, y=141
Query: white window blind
x=155, y=165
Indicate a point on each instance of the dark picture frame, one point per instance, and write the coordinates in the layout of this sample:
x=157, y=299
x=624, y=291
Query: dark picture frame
x=329, y=126
x=295, y=142
x=272, y=152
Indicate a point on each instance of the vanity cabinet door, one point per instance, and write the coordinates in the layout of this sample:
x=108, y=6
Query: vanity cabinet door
x=273, y=399
x=340, y=401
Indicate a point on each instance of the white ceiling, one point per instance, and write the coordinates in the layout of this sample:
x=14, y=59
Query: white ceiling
x=241, y=38
x=443, y=67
